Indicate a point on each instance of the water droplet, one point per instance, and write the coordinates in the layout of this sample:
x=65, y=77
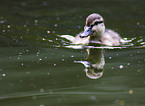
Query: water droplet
x=40, y=59
x=72, y=56
x=54, y=64
x=110, y=57
x=62, y=59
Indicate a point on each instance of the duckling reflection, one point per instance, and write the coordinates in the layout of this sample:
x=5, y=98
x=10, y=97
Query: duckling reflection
x=94, y=63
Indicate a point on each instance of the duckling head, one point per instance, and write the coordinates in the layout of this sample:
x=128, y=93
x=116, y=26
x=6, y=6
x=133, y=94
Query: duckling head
x=94, y=27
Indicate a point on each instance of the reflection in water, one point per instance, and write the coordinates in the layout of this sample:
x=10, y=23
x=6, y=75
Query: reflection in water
x=94, y=64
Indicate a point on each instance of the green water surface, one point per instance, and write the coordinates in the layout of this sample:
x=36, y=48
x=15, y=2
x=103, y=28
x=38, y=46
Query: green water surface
x=35, y=70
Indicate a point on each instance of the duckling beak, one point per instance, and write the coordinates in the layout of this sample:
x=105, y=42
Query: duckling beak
x=86, y=32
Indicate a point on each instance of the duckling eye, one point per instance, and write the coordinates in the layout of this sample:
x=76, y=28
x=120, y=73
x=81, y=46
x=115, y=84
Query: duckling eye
x=98, y=22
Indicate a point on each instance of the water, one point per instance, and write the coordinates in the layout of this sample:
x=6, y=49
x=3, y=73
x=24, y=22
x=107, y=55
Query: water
x=37, y=70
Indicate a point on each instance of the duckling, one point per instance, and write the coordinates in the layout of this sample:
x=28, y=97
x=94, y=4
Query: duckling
x=95, y=32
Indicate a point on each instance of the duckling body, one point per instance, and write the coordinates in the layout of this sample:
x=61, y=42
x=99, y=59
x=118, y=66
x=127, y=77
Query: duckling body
x=95, y=32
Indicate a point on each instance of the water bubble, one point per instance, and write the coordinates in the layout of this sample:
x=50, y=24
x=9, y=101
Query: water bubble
x=44, y=3
x=23, y=4
x=121, y=66
x=41, y=105
x=9, y=26
x=48, y=73
x=48, y=31
x=34, y=97
x=3, y=75
x=93, y=98
x=36, y=21
x=28, y=72
x=38, y=53
x=138, y=23
x=2, y=22
x=50, y=40
x=55, y=25
x=131, y=91
x=20, y=53
x=41, y=90
x=122, y=102
x=43, y=39
x=58, y=18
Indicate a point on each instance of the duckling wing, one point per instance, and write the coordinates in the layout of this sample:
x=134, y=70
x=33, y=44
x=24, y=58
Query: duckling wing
x=111, y=38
